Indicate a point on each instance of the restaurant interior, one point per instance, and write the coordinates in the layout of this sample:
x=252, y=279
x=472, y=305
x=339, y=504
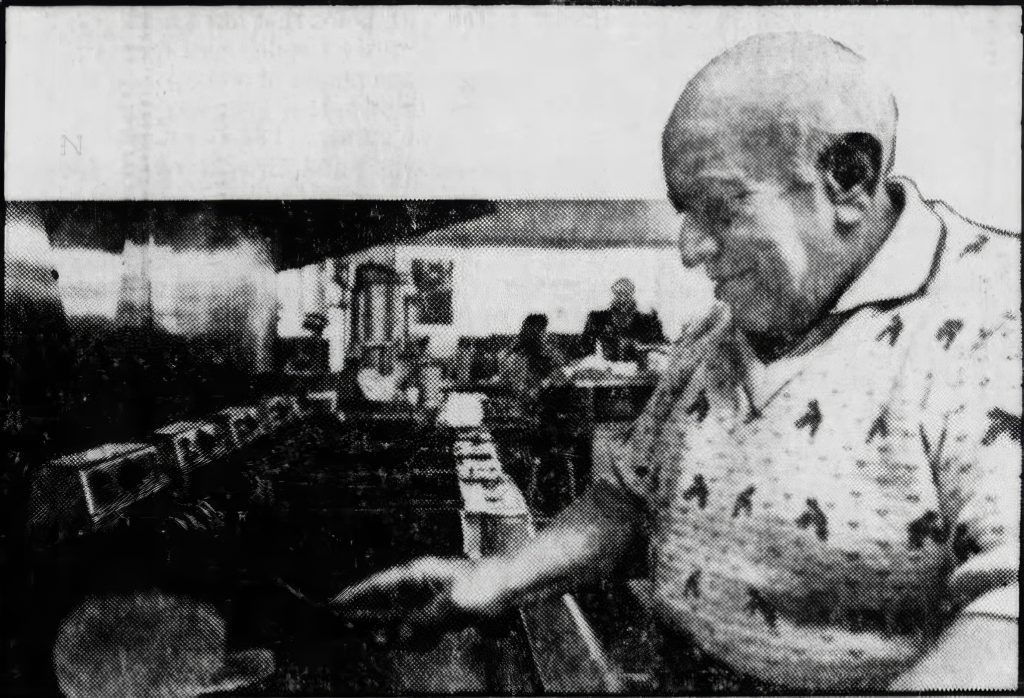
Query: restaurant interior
x=167, y=442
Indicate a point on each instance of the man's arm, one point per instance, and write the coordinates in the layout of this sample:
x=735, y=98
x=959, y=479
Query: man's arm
x=973, y=446
x=977, y=652
x=585, y=543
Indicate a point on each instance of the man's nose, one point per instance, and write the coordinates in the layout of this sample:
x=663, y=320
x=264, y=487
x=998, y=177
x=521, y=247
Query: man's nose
x=695, y=246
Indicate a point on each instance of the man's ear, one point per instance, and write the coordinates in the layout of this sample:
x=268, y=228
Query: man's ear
x=850, y=168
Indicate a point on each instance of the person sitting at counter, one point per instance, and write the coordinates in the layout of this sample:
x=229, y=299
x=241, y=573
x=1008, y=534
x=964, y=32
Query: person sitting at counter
x=346, y=382
x=531, y=363
x=621, y=327
x=525, y=369
x=813, y=523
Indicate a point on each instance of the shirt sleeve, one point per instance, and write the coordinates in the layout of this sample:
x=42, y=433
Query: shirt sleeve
x=977, y=467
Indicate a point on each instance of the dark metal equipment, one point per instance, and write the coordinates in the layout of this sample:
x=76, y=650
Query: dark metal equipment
x=94, y=487
x=375, y=299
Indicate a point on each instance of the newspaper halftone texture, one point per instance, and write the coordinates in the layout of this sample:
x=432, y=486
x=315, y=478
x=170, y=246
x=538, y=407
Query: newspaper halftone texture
x=761, y=436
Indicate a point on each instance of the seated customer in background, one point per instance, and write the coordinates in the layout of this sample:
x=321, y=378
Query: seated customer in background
x=532, y=362
x=346, y=382
x=536, y=456
x=621, y=327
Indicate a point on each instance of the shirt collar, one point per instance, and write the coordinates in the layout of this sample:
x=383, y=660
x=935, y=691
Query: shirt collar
x=903, y=265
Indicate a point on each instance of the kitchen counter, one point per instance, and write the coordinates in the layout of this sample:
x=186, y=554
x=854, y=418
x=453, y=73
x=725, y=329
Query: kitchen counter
x=320, y=505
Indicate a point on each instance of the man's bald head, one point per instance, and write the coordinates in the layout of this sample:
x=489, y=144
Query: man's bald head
x=774, y=155
x=776, y=103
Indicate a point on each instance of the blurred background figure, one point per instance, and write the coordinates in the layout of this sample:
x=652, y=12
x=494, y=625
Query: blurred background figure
x=347, y=382
x=531, y=363
x=622, y=327
x=536, y=455
x=309, y=356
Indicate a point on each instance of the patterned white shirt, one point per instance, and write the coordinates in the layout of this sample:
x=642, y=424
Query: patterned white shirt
x=817, y=521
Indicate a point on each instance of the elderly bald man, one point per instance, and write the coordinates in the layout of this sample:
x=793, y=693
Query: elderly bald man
x=828, y=477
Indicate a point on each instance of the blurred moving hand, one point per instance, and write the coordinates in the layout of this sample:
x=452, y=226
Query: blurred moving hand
x=426, y=598
x=418, y=602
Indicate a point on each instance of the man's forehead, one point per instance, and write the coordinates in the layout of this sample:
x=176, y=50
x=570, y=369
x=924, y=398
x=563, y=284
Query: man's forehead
x=696, y=134
x=713, y=154
x=696, y=177
x=694, y=149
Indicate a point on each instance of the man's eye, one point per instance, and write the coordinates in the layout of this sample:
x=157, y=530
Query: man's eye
x=718, y=212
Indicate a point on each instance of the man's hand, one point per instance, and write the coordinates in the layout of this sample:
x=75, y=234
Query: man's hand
x=420, y=601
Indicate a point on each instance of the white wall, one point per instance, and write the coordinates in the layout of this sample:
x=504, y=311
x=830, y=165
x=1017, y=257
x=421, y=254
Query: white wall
x=496, y=287
x=299, y=291
x=464, y=102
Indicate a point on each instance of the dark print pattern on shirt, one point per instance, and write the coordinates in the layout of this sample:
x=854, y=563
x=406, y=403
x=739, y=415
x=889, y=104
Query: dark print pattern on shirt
x=811, y=418
x=1001, y=422
x=692, y=586
x=698, y=489
x=892, y=330
x=928, y=525
x=948, y=332
x=974, y=247
x=814, y=517
x=744, y=503
x=964, y=544
x=879, y=427
x=699, y=407
x=758, y=605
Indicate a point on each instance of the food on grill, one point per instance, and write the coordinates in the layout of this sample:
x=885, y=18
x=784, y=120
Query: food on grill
x=149, y=644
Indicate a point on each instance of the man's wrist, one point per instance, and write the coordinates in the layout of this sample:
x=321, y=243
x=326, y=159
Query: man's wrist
x=484, y=590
